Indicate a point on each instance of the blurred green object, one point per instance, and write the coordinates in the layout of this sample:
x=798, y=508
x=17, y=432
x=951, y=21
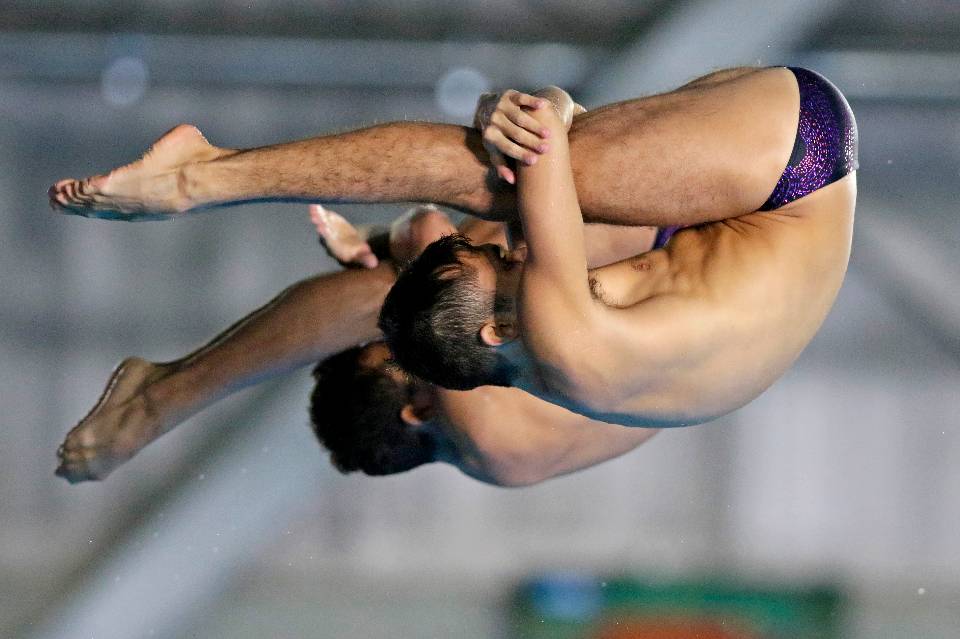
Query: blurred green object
x=575, y=606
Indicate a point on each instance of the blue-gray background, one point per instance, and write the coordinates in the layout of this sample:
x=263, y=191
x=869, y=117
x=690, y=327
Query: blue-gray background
x=847, y=470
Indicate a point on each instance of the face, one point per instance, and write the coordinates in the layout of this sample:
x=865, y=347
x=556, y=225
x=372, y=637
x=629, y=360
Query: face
x=375, y=356
x=497, y=268
x=498, y=271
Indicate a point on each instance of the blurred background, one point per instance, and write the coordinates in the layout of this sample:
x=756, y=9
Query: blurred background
x=830, y=504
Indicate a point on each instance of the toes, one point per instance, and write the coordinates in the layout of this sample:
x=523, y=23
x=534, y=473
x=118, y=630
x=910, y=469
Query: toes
x=74, y=475
x=96, y=183
x=72, y=194
x=78, y=466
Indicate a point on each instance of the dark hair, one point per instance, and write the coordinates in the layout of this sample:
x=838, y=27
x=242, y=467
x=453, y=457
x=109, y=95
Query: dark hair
x=355, y=413
x=432, y=317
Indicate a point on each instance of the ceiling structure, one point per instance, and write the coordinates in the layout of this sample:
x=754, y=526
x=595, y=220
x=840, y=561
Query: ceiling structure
x=615, y=49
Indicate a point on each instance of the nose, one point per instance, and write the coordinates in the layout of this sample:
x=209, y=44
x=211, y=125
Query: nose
x=518, y=254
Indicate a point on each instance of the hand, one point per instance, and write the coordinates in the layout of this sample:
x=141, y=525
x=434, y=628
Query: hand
x=342, y=241
x=508, y=131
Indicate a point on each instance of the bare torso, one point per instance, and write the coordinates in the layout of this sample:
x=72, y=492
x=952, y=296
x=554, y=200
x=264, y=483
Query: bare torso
x=700, y=328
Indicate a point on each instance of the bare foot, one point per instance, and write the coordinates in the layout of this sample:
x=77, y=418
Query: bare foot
x=148, y=189
x=120, y=425
x=343, y=241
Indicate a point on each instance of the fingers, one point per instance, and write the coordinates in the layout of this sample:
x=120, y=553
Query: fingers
x=500, y=164
x=524, y=99
x=509, y=131
x=494, y=139
x=522, y=129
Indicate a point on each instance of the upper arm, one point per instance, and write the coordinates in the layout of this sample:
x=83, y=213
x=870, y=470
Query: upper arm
x=521, y=440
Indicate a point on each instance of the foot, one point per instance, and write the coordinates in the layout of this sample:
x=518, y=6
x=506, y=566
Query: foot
x=148, y=189
x=119, y=426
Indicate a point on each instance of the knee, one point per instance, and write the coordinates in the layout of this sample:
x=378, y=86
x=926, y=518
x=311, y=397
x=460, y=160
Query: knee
x=426, y=220
x=416, y=229
x=723, y=75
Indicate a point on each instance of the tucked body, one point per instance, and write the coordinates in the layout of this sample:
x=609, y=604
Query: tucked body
x=676, y=336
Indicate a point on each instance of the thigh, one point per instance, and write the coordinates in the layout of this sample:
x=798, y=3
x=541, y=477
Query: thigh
x=711, y=150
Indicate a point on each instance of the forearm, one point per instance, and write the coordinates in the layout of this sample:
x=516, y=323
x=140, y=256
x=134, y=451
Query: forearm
x=551, y=218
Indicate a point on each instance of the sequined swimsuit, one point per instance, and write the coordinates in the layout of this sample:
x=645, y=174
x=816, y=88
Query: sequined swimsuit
x=824, y=151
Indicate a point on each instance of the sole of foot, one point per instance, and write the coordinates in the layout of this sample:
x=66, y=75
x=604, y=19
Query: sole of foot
x=115, y=429
x=148, y=189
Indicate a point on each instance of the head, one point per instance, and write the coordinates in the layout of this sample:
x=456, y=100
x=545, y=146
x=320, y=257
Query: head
x=368, y=414
x=450, y=312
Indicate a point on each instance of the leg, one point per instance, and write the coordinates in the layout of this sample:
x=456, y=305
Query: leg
x=307, y=322
x=710, y=150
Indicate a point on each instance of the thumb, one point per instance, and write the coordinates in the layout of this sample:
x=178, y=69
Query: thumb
x=503, y=169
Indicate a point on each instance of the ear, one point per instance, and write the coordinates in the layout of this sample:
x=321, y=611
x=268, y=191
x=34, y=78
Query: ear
x=498, y=333
x=416, y=415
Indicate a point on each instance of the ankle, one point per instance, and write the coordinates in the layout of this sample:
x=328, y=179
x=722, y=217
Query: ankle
x=172, y=384
x=191, y=187
x=205, y=182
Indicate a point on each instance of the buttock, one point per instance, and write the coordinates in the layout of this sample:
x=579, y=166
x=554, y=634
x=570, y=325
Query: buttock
x=826, y=145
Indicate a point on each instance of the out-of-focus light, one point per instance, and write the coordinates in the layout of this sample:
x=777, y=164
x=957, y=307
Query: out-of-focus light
x=124, y=81
x=458, y=90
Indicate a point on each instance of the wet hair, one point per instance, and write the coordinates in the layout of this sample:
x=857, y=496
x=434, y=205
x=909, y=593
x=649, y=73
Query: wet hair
x=432, y=319
x=355, y=413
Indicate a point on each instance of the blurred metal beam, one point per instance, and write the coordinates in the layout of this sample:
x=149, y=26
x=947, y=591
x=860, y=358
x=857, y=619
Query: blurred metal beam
x=917, y=272
x=890, y=75
x=702, y=36
x=161, y=574
x=245, y=60
x=696, y=38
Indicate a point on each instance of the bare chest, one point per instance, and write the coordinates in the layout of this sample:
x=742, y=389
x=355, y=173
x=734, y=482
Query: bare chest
x=631, y=281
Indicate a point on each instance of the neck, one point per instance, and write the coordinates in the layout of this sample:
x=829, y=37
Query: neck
x=445, y=449
x=526, y=376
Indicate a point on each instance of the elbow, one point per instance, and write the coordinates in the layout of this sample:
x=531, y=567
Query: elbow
x=519, y=477
x=518, y=469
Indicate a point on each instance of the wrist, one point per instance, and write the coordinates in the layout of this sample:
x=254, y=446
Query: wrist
x=563, y=105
